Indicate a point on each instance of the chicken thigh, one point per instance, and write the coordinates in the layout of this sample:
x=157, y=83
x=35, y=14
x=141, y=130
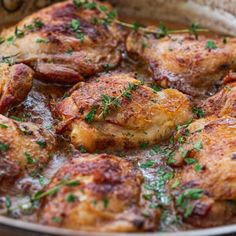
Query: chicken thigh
x=192, y=66
x=24, y=149
x=223, y=102
x=66, y=42
x=206, y=159
x=15, y=83
x=116, y=111
x=96, y=192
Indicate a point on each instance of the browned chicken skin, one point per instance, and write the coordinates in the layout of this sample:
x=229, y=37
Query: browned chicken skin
x=105, y=197
x=182, y=62
x=207, y=162
x=63, y=44
x=223, y=102
x=141, y=115
x=15, y=83
x=68, y=43
x=24, y=148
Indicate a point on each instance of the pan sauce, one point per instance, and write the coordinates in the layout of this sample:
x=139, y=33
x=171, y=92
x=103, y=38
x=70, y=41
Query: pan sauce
x=38, y=107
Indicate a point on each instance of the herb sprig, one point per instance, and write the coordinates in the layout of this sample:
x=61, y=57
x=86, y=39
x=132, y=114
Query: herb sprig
x=40, y=194
x=183, y=200
x=110, y=16
x=108, y=102
x=20, y=33
x=75, y=26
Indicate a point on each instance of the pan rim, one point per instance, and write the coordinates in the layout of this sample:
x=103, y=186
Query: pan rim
x=37, y=228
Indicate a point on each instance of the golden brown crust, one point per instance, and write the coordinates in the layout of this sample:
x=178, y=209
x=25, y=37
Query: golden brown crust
x=212, y=144
x=146, y=116
x=63, y=58
x=15, y=83
x=105, y=199
x=182, y=62
x=223, y=102
x=24, y=148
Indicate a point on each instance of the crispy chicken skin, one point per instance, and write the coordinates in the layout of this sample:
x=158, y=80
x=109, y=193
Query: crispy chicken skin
x=53, y=49
x=182, y=62
x=211, y=142
x=143, y=116
x=15, y=84
x=106, y=197
x=223, y=102
x=24, y=148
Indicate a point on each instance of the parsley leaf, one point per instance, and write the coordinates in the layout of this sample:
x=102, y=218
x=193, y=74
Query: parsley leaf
x=211, y=45
x=198, y=146
x=147, y=164
x=198, y=112
x=90, y=115
x=41, y=40
x=3, y=147
x=3, y=126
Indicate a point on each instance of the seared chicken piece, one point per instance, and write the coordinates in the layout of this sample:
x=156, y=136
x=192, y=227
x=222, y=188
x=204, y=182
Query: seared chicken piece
x=115, y=111
x=223, y=102
x=96, y=192
x=65, y=43
x=15, y=84
x=207, y=157
x=24, y=149
x=192, y=66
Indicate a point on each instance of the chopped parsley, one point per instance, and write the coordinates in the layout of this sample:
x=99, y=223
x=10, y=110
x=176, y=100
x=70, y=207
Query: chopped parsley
x=211, y=45
x=41, y=194
x=198, y=146
x=108, y=102
x=75, y=26
x=42, y=180
x=198, y=167
x=183, y=200
x=156, y=88
x=144, y=145
x=19, y=33
x=71, y=198
x=90, y=116
x=147, y=164
x=3, y=147
x=198, y=112
x=8, y=202
x=41, y=40
x=56, y=219
x=190, y=161
x=41, y=143
x=194, y=30
x=29, y=158
x=2, y=40
x=175, y=184
x=3, y=126
x=16, y=118
x=82, y=149
x=69, y=51
x=105, y=203
x=10, y=39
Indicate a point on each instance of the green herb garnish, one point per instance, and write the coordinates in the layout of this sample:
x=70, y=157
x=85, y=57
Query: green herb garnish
x=41, y=143
x=198, y=146
x=3, y=147
x=147, y=164
x=41, y=40
x=3, y=126
x=198, y=112
x=211, y=45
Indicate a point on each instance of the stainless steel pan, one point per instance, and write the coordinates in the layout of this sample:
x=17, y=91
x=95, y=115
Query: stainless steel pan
x=214, y=14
